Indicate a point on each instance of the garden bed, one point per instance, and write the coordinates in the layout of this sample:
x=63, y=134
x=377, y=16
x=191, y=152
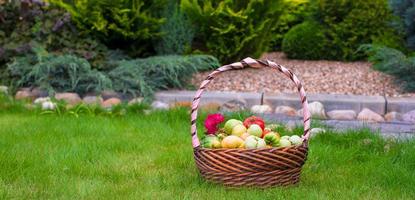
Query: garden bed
x=318, y=76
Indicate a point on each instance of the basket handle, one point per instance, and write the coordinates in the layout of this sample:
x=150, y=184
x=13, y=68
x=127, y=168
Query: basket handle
x=249, y=62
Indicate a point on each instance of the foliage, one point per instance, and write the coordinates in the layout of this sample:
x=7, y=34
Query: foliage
x=294, y=12
x=305, y=41
x=232, y=30
x=27, y=24
x=349, y=23
x=405, y=9
x=141, y=77
x=393, y=62
x=177, y=32
x=57, y=73
x=124, y=24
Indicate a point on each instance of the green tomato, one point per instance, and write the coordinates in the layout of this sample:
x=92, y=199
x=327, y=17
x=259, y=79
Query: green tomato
x=296, y=140
x=253, y=142
x=272, y=139
x=230, y=124
x=211, y=141
x=238, y=130
x=285, y=143
x=255, y=130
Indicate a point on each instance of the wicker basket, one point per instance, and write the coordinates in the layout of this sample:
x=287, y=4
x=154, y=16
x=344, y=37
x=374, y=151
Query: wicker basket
x=251, y=167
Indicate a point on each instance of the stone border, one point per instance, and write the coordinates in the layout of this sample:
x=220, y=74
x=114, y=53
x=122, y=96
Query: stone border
x=378, y=104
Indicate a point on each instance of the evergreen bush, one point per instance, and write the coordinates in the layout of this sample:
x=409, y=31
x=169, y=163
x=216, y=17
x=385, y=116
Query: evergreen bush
x=348, y=24
x=177, y=32
x=125, y=24
x=305, y=41
x=294, y=12
x=57, y=73
x=393, y=62
x=26, y=24
x=232, y=30
x=405, y=9
x=141, y=77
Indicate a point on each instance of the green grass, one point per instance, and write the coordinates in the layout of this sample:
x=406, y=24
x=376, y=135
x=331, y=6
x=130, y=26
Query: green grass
x=150, y=157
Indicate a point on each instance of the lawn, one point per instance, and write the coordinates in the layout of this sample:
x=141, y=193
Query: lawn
x=150, y=157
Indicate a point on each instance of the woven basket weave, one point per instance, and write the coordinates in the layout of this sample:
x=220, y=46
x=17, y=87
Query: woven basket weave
x=251, y=167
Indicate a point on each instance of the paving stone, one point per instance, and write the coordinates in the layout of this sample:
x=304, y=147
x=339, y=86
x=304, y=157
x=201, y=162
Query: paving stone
x=400, y=104
x=287, y=110
x=261, y=109
x=69, y=97
x=393, y=116
x=93, y=100
x=250, y=98
x=111, y=102
x=370, y=116
x=342, y=114
x=234, y=105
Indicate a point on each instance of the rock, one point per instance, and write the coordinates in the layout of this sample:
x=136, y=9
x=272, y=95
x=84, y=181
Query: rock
x=210, y=107
x=409, y=116
x=342, y=114
x=92, y=100
x=287, y=110
x=111, y=102
x=234, y=106
x=41, y=100
x=393, y=116
x=136, y=100
x=68, y=97
x=261, y=109
x=182, y=104
x=315, y=131
x=108, y=94
x=4, y=89
x=37, y=92
x=159, y=105
x=370, y=116
x=48, y=105
x=316, y=109
x=24, y=94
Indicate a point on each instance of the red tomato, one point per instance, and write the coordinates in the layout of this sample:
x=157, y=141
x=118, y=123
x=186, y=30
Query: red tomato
x=254, y=120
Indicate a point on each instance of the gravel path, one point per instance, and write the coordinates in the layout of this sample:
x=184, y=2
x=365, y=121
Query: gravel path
x=318, y=77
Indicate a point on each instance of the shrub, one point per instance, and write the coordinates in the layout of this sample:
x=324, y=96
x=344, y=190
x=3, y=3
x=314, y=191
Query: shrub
x=305, y=41
x=232, y=30
x=177, y=32
x=124, y=24
x=57, y=73
x=350, y=23
x=294, y=12
x=405, y=9
x=393, y=62
x=25, y=24
x=141, y=77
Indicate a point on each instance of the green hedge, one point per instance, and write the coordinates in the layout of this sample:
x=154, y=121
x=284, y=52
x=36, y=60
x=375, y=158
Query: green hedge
x=305, y=41
x=293, y=13
x=125, y=24
x=232, y=30
x=347, y=24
